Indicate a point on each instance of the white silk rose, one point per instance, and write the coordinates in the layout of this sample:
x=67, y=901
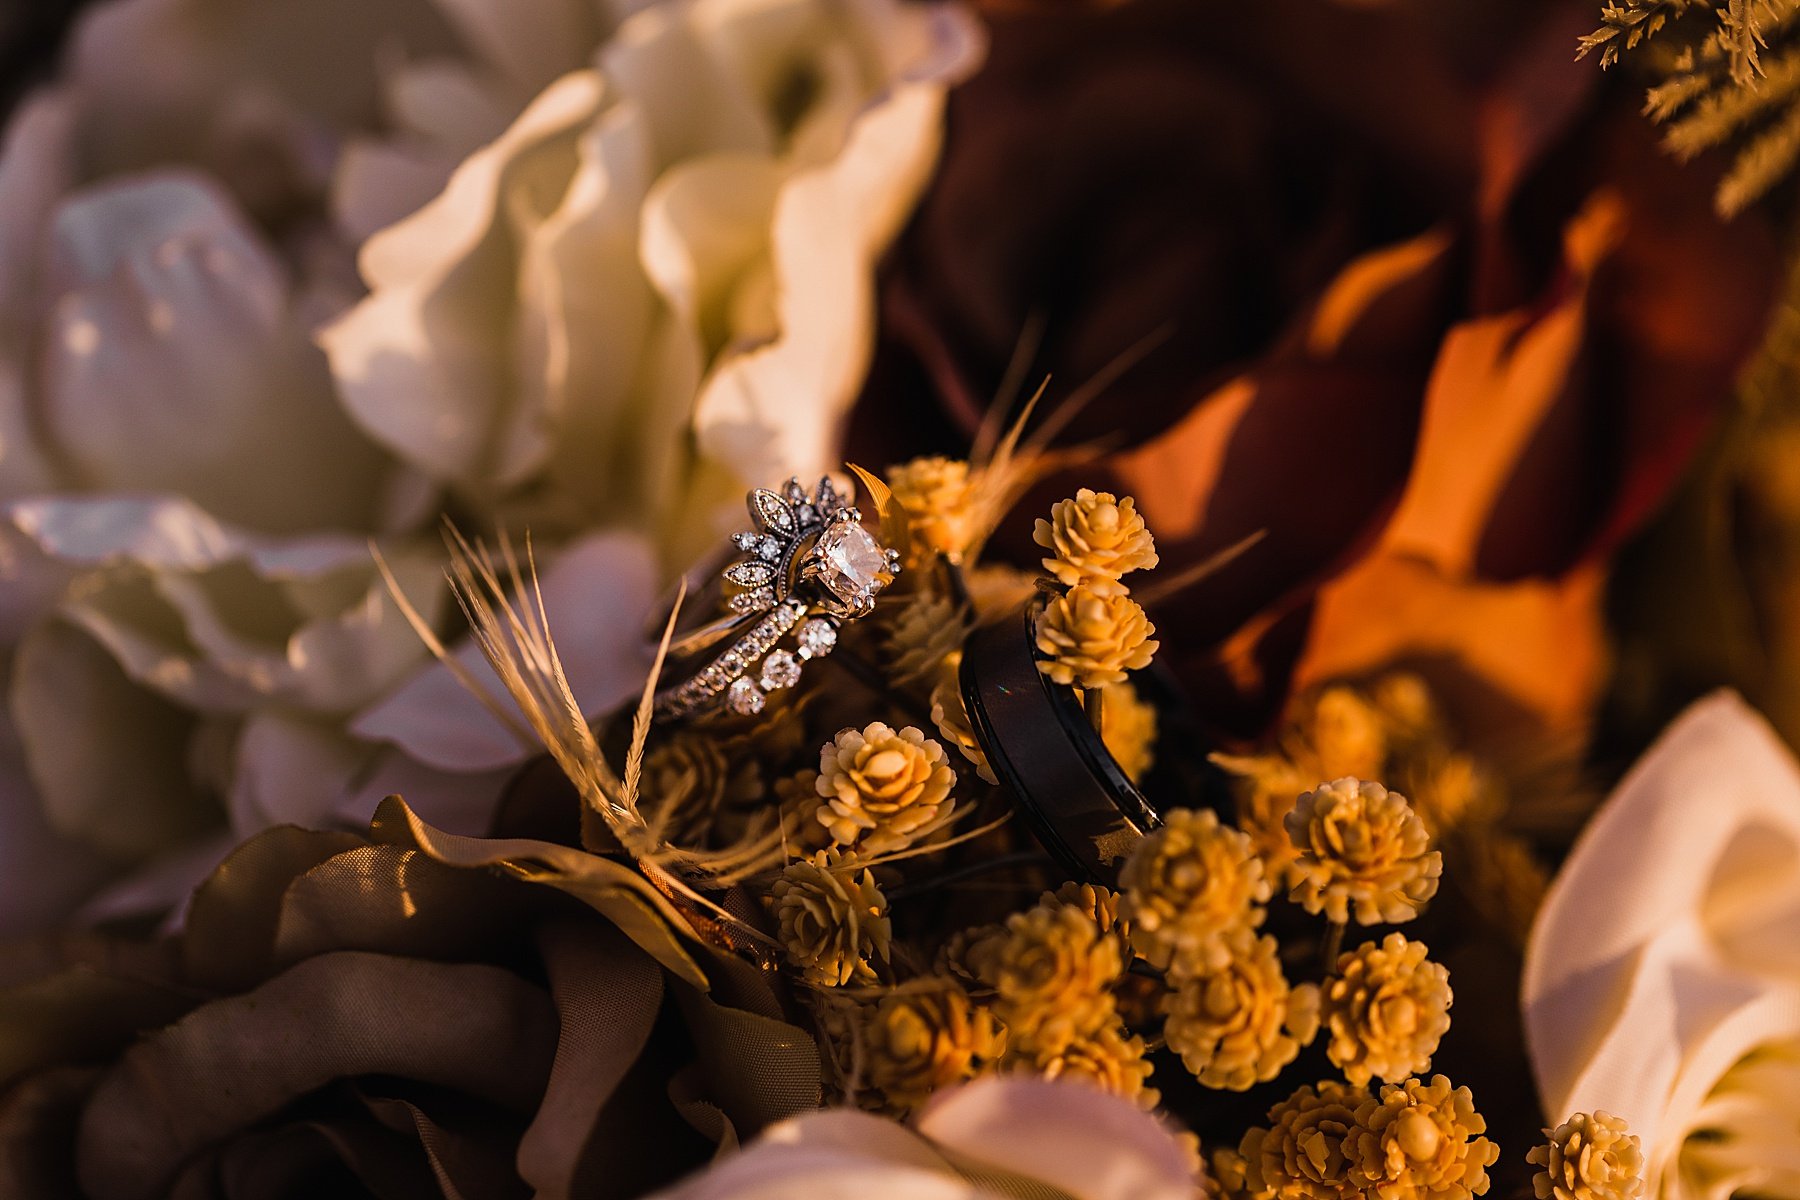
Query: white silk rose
x=985, y=1140
x=656, y=285
x=197, y=643
x=1662, y=980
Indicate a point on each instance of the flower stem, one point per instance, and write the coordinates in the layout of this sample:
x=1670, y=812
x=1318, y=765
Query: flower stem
x=1334, y=944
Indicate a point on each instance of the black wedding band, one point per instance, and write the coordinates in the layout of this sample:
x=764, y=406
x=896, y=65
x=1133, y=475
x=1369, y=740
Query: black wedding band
x=1078, y=801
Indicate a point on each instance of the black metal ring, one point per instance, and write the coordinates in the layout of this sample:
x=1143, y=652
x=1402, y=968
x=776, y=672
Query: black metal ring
x=1078, y=801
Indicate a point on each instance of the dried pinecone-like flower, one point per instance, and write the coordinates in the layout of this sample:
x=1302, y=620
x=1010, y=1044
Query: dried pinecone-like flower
x=1343, y=734
x=1188, y=886
x=961, y=953
x=1385, y=1010
x=951, y=717
x=926, y=629
x=689, y=779
x=1100, y=904
x=1052, y=974
x=924, y=1035
x=1095, y=538
x=1238, y=1025
x=1407, y=707
x=1419, y=1142
x=1361, y=845
x=1590, y=1156
x=1308, y=1151
x=940, y=499
x=1109, y=1059
x=883, y=788
x=1128, y=728
x=1229, y=1175
x=1092, y=639
x=832, y=924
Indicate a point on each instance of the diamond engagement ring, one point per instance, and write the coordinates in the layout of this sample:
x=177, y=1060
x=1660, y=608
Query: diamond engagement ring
x=808, y=567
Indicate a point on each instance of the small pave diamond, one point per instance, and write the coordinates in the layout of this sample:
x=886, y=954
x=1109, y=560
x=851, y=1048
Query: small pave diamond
x=816, y=638
x=746, y=541
x=768, y=549
x=745, y=698
x=780, y=670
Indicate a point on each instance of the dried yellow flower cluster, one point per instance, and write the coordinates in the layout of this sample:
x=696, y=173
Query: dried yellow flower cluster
x=1238, y=1024
x=1305, y=1153
x=1390, y=730
x=1420, y=1141
x=1334, y=1141
x=1128, y=729
x=1095, y=540
x=1385, y=1010
x=940, y=498
x=1109, y=1059
x=917, y=1037
x=693, y=787
x=1591, y=1156
x=832, y=923
x=1092, y=639
x=1187, y=887
x=925, y=631
x=883, y=788
x=1094, y=632
x=1051, y=971
x=951, y=716
x=1361, y=847
x=1100, y=905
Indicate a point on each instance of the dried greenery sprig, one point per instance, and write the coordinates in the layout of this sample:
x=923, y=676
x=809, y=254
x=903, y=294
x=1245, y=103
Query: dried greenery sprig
x=1717, y=87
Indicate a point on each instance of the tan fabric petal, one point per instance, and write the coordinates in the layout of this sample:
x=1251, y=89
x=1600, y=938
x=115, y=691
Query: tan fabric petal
x=236, y=1061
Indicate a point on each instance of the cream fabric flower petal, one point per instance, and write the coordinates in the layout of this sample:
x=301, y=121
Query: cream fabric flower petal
x=831, y=222
x=136, y=798
x=225, y=621
x=1669, y=945
x=596, y=593
x=1080, y=1140
x=1073, y=1139
x=173, y=361
x=424, y=363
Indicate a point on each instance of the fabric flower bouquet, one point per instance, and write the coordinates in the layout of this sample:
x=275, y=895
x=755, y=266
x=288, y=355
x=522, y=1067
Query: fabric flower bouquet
x=762, y=599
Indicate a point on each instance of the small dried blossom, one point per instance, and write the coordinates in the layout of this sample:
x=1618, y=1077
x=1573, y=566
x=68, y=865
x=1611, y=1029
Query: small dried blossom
x=883, y=788
x=1385, y=1010
x=1052, y=973
x=925, y=630
x=1128, y=728
x=1308, y=1151
x=1363, y=847
x=799, y=806
x=1109, y=1058
x=1100, y=904
x=1188, y=887
x=690, y=779
x=951, y=717
x=1095, y=539
x=1590, y=1156
x=941, y=499
x=1420, y=1141
x=1343, y=734
x=961, y=953
x=832, y=923
x=1239, y=1024
x=1092, y=639
x=923, y=1035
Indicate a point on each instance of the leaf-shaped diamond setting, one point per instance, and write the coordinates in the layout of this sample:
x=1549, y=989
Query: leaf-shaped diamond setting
x=772, y=513
x=750, y=573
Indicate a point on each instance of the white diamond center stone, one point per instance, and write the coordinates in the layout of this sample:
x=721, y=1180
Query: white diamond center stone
x=851, y=562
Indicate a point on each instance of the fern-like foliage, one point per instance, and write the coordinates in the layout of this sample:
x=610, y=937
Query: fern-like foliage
x=1731, y=81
